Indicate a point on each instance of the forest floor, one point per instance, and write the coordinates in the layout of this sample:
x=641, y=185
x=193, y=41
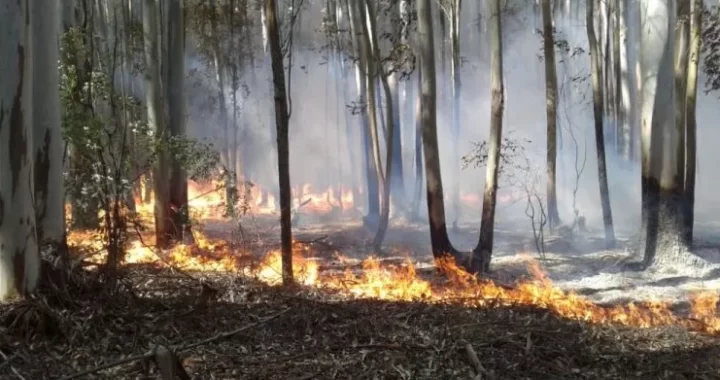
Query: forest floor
x=225, y=326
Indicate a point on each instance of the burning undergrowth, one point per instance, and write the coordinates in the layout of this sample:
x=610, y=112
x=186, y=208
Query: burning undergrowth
x=301, y=334
x=401, y=281
x=208, y=303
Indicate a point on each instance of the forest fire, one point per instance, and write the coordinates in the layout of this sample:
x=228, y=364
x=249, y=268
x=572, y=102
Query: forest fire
x=403, y=283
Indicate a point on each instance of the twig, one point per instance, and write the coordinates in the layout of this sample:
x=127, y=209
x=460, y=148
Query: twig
x=7, y=362
x=475, y=361
x=175, y=348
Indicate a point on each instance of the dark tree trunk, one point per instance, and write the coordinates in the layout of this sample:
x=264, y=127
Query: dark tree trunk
x=282, y=121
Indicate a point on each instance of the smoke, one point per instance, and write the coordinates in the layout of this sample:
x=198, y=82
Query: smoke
x=325, y=144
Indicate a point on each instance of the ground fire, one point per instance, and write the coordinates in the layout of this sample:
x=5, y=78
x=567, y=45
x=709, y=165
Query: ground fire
x=399, y=281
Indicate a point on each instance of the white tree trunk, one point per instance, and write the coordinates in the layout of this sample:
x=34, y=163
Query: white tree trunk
x=48, y=144
x=626, y=110
x=656, y=63
x=19, y=259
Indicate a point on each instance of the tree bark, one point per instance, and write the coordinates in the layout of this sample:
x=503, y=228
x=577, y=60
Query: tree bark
x=682, y=36
x=19, y=258
x=47, y=133
x=597, y=86
x=691, y=118
x=282, y=121
x=371, y=75
x=439, y=239
x=455, y=6
x=551, y=110
x=385, y=176
x=627, y=104
x=417, y=190
x=373, y=199
x=157, y=121
x=179, y=208
x=663, y=237
x=219, y=63
x=484, y=248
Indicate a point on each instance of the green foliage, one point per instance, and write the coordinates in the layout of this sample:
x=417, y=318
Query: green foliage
x=111, y=147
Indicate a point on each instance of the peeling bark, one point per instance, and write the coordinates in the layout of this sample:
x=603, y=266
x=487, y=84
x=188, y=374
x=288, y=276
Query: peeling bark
x=49, y=183
x=19, y=257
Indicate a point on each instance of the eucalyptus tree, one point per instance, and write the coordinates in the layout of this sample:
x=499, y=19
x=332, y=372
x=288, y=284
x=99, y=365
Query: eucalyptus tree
x=47, y=132
x=282, y=121
x=19, y=257
x=484, y=248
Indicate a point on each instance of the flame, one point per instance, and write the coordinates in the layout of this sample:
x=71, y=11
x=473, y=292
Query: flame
x=401, y=282
x=376, y=279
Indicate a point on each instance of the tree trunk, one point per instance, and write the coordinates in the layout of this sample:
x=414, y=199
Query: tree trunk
x=417, y=119
x=484, y=248
x=47, y=133
x=455, y=7
x=663, y=239
x=390, y=128
x=691, y=126
x=157, y=122
x=373, y=199
x=368, y=46
x=626, y=105
x=682, y=44
x=179, y=209
x=282, y=121
x=219, y=64
x=551, y=110
x=597, y=86
x=617, y=75
x=19, y=258
x=439, y=239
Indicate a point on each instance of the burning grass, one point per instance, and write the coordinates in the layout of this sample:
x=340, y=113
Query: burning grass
x=369, y=319
x=329, y=337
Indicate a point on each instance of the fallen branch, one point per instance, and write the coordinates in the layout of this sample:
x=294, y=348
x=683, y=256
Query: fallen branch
x=175, y=348
x=475, y=361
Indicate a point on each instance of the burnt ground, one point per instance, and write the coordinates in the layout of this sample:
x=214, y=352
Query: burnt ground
x=216, y=324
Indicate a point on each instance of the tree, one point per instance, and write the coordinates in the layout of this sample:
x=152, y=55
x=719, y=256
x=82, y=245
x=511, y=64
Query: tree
x=361, y=71
x=452, y=9
x=219, y=64
x=691, y=118
x=551, y=110
x=384, y=176
x=282, y=120
x=19, y=258
x=626, y=103
x=661, y=187
x=596, y=72
x=178, y=196
x=483, y=250
x=682, y=43
x=47, y=133
x=439, y=239
x=157, y=121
